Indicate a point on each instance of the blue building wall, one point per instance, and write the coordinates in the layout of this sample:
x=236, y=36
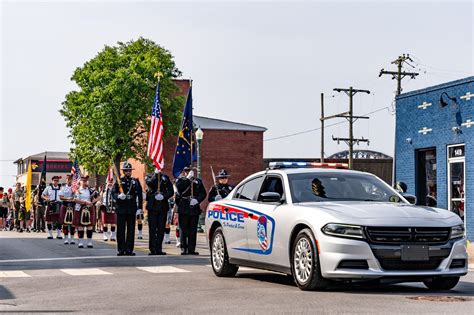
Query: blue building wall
x=411, y=119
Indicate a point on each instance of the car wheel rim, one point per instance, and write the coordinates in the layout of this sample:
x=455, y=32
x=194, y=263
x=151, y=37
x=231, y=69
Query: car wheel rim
x=303, y=260
x=218, y=252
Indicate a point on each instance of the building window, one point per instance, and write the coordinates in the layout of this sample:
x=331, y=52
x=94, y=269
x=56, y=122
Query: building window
x=456, y=179
x=426, y=187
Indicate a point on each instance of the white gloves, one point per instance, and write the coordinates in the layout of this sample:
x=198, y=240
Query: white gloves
x=159, y=197
x=190, y=174
x=157, y=171
x=193, y=202
x=218, y=197
x=122, y=196
x=139, y=211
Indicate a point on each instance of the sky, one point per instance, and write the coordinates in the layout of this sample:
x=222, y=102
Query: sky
x=263, y=63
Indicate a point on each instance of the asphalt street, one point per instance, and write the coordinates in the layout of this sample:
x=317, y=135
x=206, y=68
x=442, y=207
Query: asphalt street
x=45, y=276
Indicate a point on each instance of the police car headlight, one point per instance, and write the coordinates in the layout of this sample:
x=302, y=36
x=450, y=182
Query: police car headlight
x=457, y=231
x=344, y=230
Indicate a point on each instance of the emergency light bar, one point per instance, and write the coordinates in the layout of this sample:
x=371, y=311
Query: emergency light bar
x=280, y=165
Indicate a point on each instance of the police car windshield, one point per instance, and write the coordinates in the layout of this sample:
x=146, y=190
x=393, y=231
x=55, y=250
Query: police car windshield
x=313, y=187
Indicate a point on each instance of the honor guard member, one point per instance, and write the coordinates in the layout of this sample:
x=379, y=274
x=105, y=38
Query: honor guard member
x=190, y=193
x=3, y=209
x=107, y=210
x=18, y=196
x=222, y=188
x=84, y=212
x=66, y=216
x=129, y=198
x=53, y=206
x=160, y=190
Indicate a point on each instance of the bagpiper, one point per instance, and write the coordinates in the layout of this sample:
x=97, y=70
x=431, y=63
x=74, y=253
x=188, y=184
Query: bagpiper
x=53, y=207
x=160, y=190
x=127, y=193
x=84, y=214
x=66, y=217
x=107, y=210
x=222, y=188
x=190, y=193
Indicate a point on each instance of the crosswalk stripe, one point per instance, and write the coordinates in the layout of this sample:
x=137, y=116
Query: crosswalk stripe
x=162, y=269
x=13, y=274
x=85, y=272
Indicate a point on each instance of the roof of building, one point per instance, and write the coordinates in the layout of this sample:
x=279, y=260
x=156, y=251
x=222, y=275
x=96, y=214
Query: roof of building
x=49, y=156
x=219, y=124
x=437, y=87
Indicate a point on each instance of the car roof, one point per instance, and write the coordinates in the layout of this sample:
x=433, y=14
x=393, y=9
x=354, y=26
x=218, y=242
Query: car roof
x=306, y=170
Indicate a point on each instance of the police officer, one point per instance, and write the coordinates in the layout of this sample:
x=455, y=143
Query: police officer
x=222, y=189
x=129, y=198
x=190, y=193
x=160, y=190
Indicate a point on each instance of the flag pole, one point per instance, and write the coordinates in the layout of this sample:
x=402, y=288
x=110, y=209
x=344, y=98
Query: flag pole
x=191, y=134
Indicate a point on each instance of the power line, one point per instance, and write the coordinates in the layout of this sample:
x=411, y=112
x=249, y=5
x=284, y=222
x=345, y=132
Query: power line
x=326, y=126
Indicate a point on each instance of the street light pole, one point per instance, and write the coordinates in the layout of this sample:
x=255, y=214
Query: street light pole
x=199, y=137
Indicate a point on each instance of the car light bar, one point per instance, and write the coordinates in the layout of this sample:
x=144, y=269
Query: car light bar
x=279, y=165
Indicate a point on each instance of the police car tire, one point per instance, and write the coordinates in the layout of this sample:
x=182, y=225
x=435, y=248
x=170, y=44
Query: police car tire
x=441, y=283
x=315, y=280
x=227, y=269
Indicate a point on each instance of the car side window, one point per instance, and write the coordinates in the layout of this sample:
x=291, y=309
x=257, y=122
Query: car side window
x=250, y=189
x=272, y=184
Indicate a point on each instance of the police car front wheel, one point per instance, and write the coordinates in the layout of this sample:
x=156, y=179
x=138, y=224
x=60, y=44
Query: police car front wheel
x=220, y=257
x=305, y=262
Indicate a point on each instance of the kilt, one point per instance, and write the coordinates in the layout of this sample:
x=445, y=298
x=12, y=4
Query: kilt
x=52, y=212
x=62, y=213
x=108, y=217
x=78, y=214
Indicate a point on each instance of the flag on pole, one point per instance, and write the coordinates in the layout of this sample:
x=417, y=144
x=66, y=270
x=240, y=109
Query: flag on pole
x=28, y=188
x=184, y=147
x=42, y=181
x=110, y=174
x=76, y=175
x=155, y=136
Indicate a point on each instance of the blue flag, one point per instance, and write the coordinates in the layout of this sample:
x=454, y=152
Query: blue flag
x=185, y=145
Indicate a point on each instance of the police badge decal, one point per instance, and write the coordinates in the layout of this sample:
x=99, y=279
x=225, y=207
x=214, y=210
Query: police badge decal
x=262, y=232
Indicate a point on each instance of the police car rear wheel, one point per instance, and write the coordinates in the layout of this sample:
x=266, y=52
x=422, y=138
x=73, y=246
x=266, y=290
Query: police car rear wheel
x=219, y=257
x=305, y=262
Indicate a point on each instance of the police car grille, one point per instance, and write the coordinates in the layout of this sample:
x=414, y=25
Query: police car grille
x=403, y=235
x=397, y=264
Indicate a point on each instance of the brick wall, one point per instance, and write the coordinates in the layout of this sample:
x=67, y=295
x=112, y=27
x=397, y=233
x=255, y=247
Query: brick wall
x=411, y=119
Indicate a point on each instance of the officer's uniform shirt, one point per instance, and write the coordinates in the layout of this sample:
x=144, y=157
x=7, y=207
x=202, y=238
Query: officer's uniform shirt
x=83, y=194
x=183, y=195
x=166, y=189
x=222, y=189
x=134, y=198
x=52, y=193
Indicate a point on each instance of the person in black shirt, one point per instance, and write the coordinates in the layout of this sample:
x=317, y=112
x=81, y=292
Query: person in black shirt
x=222, y=189
x=129, y=199
x=190, y=193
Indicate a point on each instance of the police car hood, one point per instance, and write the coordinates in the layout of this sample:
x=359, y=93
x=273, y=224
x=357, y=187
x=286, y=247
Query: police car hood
x=384, y=213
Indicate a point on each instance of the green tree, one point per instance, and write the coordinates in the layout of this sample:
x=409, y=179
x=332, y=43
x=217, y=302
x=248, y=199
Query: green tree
x=108, y=116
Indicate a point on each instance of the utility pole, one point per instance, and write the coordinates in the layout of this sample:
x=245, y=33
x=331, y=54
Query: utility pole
x=322, y=128
x=398, y=75
x=351, y=119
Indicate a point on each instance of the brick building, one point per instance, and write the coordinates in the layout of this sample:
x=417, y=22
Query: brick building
x=435, y=146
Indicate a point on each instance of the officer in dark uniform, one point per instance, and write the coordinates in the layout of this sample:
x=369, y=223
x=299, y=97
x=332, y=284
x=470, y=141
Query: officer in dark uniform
x=160, y=190
x=222, y=188
x=190, y=193
x=129, y=198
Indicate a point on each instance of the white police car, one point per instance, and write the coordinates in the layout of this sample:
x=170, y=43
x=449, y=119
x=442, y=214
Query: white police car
x=332, y=224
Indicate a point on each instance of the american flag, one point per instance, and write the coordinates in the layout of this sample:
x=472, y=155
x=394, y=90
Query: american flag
x=155, y=137
x=76, y=175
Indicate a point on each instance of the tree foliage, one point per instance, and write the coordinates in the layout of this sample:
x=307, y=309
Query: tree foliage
x=108, y=115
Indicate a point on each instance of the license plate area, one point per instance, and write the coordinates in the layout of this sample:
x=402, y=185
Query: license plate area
x=415, y=252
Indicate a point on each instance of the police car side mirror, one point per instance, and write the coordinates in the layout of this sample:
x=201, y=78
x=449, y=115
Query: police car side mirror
x=410, y=198
x=270, y=197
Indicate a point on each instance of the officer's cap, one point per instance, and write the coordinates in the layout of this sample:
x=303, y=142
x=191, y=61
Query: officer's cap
x=56, y=177
x=222, y=174
x=127, y=166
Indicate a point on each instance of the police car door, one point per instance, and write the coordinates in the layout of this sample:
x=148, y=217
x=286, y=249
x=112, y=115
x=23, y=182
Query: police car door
x=235, y=216
x=261, y=230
